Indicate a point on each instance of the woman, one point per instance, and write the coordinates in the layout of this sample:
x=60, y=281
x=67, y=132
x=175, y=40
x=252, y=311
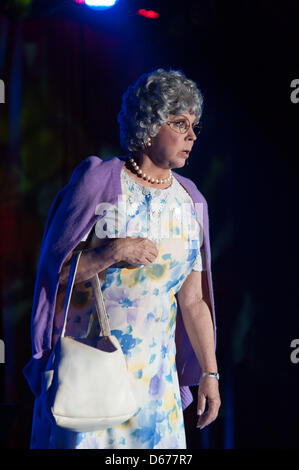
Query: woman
x=145, y=230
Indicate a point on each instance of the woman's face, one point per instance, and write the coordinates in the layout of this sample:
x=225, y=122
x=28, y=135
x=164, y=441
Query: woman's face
x=170, y=148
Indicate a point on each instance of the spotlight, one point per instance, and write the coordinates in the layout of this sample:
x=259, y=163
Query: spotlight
x=99, y=4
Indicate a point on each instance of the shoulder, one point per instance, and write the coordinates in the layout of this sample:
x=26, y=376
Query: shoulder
x=93, y=166
x=191, y=187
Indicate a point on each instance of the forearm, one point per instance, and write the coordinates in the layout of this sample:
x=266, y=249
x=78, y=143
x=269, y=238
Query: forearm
x=92, y=261
x=199, y=327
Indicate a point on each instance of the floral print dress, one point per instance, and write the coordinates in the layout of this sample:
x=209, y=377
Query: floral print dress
x=141, y=306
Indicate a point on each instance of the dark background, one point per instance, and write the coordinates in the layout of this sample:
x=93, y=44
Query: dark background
x=65, y=68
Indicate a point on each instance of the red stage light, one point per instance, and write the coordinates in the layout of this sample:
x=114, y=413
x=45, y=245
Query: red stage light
x=148, y=13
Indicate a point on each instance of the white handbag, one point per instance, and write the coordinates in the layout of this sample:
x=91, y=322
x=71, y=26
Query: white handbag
x=87, y=388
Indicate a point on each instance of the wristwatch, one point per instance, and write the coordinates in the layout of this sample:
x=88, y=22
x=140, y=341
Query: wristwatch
x=211, y=374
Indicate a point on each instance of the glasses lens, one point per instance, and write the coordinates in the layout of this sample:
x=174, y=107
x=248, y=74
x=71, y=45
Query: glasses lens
x=180, y=125
x=197, y=129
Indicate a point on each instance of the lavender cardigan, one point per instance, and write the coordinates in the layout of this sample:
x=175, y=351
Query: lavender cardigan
x=71, y=216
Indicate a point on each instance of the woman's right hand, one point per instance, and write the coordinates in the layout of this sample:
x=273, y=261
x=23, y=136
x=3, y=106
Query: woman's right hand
x=136, y=250
x=103, y=253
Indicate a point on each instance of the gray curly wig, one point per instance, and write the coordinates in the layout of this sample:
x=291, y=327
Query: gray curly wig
x=147, y=104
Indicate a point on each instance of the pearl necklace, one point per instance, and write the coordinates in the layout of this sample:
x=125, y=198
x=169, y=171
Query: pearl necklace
x=147, y=177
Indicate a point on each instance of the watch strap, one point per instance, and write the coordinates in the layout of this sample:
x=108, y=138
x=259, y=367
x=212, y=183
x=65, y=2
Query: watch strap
x=211, y=374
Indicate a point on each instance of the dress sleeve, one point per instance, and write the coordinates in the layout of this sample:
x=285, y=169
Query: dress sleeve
x=198, y=265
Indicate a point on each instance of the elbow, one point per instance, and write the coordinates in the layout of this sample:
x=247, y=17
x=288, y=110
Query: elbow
x=191, y=305
x=64, y=274
x=65, y=270
x=62, y=278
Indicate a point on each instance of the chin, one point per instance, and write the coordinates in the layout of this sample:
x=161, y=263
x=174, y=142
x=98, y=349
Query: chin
x=179, y=163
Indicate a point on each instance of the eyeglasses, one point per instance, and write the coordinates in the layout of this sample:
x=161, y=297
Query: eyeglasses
x=181, y=125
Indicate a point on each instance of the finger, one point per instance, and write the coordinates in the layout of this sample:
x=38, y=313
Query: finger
x=151, y=246
x=149, y=259
x=155, y=249
x=210, y=416
x=207, y=418
x=212, y=412
x=150, y=254
x=201, y=403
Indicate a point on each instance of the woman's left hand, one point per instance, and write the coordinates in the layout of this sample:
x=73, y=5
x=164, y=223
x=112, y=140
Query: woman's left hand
x=208, y=394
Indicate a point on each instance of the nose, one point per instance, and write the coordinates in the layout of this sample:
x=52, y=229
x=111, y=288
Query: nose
x=191, y=134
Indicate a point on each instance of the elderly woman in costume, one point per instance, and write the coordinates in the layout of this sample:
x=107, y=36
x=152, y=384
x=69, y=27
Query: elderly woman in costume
x=145, y=230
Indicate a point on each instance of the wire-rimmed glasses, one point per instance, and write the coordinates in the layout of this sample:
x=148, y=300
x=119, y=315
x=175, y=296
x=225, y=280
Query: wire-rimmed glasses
x=181, y=125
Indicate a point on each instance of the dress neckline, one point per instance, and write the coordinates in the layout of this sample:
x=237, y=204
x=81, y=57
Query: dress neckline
x=143, y=186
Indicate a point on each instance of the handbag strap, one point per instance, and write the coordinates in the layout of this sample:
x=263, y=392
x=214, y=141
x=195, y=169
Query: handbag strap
x=100, y=306
x=99, y=301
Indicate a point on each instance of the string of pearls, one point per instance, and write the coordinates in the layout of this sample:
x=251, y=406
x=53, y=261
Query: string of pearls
x=147, y=177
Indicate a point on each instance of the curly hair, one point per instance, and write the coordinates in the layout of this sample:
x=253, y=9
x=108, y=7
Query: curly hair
x=147, y=104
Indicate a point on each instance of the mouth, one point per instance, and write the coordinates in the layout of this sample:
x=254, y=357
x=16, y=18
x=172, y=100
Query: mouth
x=185, y=152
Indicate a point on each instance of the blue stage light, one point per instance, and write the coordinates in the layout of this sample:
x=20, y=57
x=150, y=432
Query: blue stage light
x=100, y=4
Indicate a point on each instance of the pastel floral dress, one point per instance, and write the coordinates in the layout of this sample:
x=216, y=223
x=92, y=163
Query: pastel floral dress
x=141, y=306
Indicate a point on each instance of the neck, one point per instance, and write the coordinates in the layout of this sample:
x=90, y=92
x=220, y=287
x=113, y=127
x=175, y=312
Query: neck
x=150, y=178
x=146, y=164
